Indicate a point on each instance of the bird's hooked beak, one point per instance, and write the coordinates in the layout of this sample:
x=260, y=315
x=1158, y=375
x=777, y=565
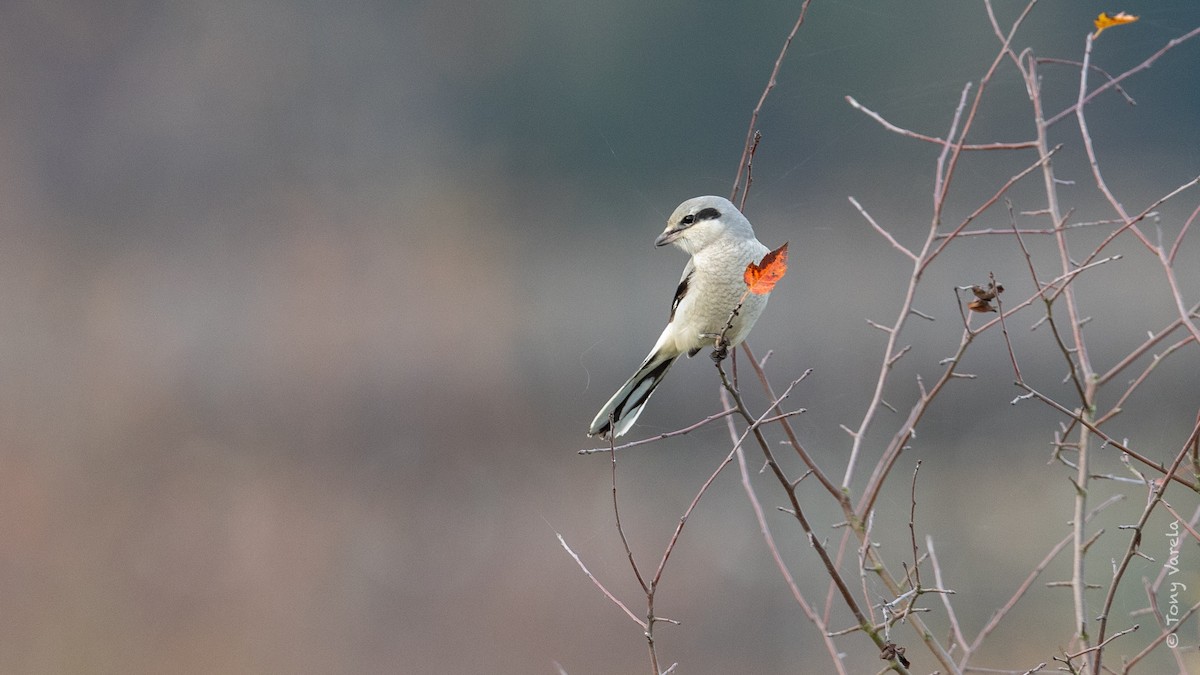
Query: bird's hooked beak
x=669, y=235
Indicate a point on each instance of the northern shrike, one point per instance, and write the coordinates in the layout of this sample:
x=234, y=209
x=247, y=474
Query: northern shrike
x=722, y=244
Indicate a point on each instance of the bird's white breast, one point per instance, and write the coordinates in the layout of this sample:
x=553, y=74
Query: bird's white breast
x=714, y=290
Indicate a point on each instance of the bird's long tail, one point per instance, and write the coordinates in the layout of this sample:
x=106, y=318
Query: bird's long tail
x=625, y=405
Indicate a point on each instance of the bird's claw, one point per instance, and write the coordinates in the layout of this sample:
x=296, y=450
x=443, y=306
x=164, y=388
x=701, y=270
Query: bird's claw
x=720, y=352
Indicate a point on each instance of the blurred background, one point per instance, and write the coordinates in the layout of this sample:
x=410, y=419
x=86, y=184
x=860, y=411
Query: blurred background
x=308, y=306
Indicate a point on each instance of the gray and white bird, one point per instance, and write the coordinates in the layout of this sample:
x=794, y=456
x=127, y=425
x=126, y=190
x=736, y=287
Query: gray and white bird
x=722, y=244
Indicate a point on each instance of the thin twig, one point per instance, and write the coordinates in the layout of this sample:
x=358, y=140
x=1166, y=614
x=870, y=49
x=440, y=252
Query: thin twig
x=789, y=432
x=1182, y=233
x=886, y=235
x=1108, y=440
x=1162, y=637
x=599, y=585
x=1025, y=585
x=1146, y=346
x=1140, y=379
x=912, y=531
x=620, y=530
x=955, y=627
x=798, y=513
x=1118, y=79
x=765, y=530
x=750, y=143
x=1020, y=145
x=1098, y=69
x=1135, y=544
x=1013, y=180
x=653, y=439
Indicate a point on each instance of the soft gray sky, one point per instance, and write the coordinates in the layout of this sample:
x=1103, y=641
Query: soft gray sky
x=310, y=304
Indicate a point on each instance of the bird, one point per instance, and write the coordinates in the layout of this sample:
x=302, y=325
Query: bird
x=721, y=244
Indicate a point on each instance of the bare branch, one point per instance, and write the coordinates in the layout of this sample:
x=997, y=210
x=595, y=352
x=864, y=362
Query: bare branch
x=1135, y=543
x=1107, y=439
x=1021, y=145
x=750, y=143
x=599, y=585
x=652, y=439
x=1113, y=82
x=765, y=530
x=886, y=235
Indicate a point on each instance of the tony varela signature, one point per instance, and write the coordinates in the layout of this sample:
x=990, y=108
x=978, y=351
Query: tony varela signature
x=1174, y=588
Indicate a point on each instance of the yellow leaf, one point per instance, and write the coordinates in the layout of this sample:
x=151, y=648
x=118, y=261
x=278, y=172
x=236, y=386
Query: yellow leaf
x=1106, y=20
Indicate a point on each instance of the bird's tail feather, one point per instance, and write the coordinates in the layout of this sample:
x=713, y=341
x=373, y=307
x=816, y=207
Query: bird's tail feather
x=625, y=405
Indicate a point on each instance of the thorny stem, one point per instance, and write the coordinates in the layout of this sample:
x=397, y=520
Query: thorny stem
x=1120, y=78
x=945, y=166
x=1164, y=256
x=648, y=590
x=765, y=530
x=919, y=262
x=912, y=531
x=1024, y=587
x=798, y=513
x=1076, y=358
x=1088, y=425
x=1135, y=544
x=829, y=486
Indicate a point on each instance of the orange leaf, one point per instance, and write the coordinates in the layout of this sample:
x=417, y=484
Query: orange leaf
x=1106, y=20
x=762, y=277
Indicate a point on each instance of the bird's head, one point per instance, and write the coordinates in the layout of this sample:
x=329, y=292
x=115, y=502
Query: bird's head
x=700, y=221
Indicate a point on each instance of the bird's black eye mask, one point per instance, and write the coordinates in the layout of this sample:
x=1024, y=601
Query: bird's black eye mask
x=705, y=214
